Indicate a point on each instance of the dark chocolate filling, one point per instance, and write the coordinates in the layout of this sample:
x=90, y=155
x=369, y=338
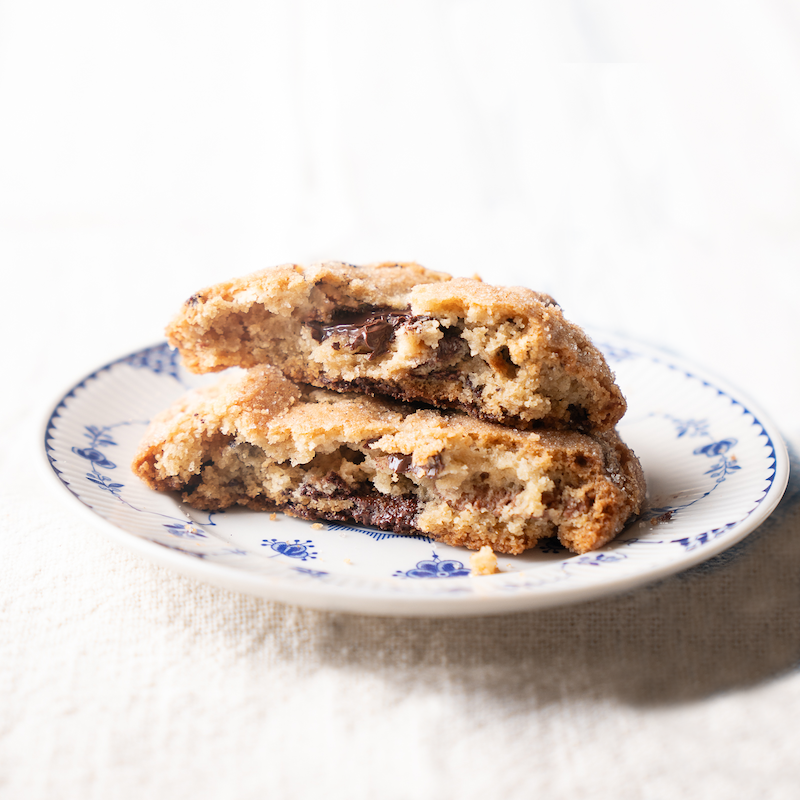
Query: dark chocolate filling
x=450, y=350
x=370, y=331
x=450, y=345
x=368, y=506
x=364, y=331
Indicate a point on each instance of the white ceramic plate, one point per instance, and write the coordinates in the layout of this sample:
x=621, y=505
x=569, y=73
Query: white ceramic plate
x=715, y=468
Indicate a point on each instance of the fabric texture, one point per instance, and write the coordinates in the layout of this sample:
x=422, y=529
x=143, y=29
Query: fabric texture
x=128, y=680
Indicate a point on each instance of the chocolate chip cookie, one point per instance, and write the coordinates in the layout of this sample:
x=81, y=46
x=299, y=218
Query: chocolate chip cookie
x=258, y=440
x=501, y=354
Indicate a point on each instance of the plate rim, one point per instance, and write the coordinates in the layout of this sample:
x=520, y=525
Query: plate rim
x=321, y=596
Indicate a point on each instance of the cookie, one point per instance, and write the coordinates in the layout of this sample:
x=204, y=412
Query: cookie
x=501, y=354
x=258, y=440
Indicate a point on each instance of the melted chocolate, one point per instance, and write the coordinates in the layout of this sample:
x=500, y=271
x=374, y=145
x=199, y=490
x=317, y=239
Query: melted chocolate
x=367, y=331
x=372, y=330
x=443, y=362
x=369, y=507
x=450, y=346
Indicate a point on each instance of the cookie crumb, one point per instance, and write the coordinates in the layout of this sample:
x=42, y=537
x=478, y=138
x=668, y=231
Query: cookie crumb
x=317, y=526
x=273, y=516
x=484, y=562
x=665, y=517
x=348, y=561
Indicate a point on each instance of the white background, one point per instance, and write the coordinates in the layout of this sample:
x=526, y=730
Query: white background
x=641, y=162
x=638, y=161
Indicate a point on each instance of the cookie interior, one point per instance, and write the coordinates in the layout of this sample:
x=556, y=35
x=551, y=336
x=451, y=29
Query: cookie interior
x=354, y=459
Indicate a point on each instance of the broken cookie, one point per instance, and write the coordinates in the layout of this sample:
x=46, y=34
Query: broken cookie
x=501, y=354
x=258, y=440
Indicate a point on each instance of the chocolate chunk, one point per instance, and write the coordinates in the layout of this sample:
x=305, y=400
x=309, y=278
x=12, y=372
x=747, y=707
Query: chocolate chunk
x=368, y=507
x=361, y=331
x=443, y=362
x=433, y=466
x=404, y=464
x=450, y=345
x=400, y=463
x=386, y=512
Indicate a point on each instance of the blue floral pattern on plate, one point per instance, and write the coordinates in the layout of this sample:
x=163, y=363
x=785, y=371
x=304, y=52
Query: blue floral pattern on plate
x=434, y=567
x=296, y=549
x=101, y=437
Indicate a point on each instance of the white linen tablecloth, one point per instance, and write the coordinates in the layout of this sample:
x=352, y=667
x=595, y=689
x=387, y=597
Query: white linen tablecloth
x=639, y=162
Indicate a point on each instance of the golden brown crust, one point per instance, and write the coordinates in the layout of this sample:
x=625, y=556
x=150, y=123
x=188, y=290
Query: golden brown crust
x=258, y=440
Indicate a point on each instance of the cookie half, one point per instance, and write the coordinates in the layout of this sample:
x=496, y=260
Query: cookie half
x=258, y=440
x=502, y=354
